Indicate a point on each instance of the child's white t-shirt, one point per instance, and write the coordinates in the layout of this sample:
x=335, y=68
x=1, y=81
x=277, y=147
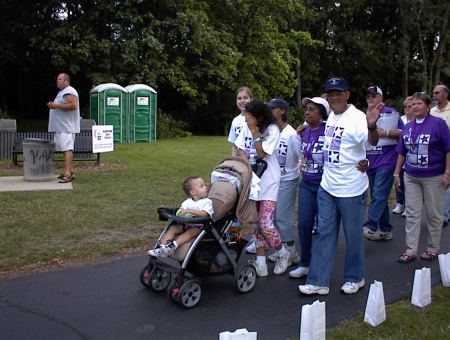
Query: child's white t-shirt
x=236, y=127
x=270, y=180
x=289, y=152
x=203, y=204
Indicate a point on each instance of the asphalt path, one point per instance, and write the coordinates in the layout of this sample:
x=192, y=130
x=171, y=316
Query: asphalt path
x=107, y=301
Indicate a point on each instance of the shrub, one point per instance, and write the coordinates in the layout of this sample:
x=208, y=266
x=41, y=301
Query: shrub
x=169, y=127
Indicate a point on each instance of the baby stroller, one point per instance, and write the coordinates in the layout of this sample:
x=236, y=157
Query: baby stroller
x=217, y=249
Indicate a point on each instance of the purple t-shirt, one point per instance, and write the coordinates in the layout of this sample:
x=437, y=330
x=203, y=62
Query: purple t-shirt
x=425, y=146
x=312, y=148
x=383, y=157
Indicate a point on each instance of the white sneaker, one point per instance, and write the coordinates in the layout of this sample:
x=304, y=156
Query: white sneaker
x=261, y=268
x=294, y=258
x=299, y=272
x=311, y=290
x=251, y=248
x=157, y=252
x=282, y=262
x=369, y=234
x=399, y=209
x=352, y=287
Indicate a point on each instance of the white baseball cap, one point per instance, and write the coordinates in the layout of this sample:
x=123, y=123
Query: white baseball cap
x=319, y=101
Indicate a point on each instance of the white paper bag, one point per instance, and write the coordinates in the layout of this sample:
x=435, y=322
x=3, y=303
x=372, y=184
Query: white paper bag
x=313, y=325
x=375, y=307
x=238, y=334
x=421, y=294
x=444, y=266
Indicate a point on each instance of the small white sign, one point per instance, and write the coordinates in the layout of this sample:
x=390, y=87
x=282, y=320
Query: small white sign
x=112, y=101
x=142, y=101
x=102, y=138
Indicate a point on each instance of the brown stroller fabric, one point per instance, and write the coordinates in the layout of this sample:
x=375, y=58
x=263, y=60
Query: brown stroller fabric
x=246, y=209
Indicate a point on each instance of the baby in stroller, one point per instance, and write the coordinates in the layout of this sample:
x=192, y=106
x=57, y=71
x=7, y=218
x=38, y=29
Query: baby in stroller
x=197, y=205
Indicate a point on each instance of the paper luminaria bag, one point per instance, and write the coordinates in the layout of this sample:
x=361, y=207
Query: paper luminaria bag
x=444, y=267
x=421, y=293
x=313, y=325
x=238, y=334
x=375, y=308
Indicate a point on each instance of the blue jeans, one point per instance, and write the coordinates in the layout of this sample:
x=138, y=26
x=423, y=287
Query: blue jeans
x=285, y=210
x=331, y=211
x=307, y=210
x=380, y=184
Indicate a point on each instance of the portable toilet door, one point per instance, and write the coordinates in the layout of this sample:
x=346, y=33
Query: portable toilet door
x=109, y=107
x=141, y=113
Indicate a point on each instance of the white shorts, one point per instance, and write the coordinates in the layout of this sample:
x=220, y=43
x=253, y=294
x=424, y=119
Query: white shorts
x=64, y=141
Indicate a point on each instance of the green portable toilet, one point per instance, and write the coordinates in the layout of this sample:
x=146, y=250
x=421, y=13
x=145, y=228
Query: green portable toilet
x=108, y=106
x=141, y=113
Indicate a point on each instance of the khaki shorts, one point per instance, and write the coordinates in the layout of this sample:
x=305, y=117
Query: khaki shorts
x=64, y=141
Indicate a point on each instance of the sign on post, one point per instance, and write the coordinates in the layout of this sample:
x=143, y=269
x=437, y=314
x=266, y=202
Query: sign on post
x=102, y=138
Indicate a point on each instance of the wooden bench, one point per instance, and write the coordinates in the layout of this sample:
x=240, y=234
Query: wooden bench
x=82, y=149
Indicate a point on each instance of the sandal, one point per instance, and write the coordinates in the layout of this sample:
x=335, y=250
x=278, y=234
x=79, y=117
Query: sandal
x=406, y=258
x=66, y=179
x=428, y=256
x=62, y=176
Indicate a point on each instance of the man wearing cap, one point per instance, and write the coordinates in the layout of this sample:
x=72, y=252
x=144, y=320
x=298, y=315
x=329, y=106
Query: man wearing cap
x=288, y=155
x=341, y=194
x=382, y=159
x=442, y=110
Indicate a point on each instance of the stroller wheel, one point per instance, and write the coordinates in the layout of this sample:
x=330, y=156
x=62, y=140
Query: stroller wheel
x=190, y=293
x=159, y=279
x=245, y=278
x=146, y=273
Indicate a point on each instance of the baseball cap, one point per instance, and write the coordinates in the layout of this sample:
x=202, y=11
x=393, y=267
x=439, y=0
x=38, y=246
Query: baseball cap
x=278, y=102
x=374, y=90
x=336, y=84
x=319, y=101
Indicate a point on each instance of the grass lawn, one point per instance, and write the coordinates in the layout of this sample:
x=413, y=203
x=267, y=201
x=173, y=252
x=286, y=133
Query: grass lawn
x=113, y=208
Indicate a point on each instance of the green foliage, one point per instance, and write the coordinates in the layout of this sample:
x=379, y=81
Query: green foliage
x=168, y=127
x=4, y=114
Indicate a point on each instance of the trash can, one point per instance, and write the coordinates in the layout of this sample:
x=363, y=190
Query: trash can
x=37, y=159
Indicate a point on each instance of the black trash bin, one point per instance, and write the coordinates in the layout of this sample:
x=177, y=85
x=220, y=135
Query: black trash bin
x=37, y=159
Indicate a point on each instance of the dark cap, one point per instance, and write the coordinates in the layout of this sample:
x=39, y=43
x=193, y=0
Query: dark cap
x=278, y=102
x=336, y=84
x=374, y=90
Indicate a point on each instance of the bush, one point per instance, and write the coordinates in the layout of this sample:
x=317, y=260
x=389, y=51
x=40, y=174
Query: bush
x=4, y=114
x=168, y=127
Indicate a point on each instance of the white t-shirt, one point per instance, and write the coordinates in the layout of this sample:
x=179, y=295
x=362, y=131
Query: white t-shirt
x=65, y=121
x=236, y=127
x=289, y=152
x=270, y=180
x=344, y=147
x=203, y=204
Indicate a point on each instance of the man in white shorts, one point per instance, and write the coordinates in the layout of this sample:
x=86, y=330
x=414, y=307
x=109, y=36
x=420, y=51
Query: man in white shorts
x=64, y=121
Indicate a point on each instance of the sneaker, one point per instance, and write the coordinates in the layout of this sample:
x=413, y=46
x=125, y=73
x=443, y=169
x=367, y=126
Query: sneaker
x=169, y=248
x=251, y=248
x=404, y=214
x=352, y=287
x=399, y=209
x=282, y=262
x=299, y=272
x=261, y=268
x=157, y=252
x=294, y=258
x=385, y=235
x=273, y=257
x=311, y=290
x=369, y=234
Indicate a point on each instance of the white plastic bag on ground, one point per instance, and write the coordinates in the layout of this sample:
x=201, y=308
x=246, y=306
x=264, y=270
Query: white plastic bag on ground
x=444, y=267
x=238, y=334
x=313, y=321
x=375, y=307
x=421, y=294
